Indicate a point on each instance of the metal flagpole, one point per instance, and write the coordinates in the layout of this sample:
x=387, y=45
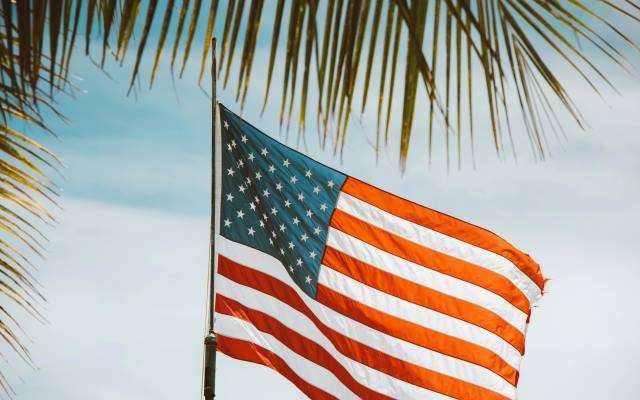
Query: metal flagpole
x=210, y=341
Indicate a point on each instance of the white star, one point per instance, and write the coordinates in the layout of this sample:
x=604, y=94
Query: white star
x=248, y=180
x=304, y=237
x=261, y=224
x=282, y=227
x=229, y=197
x=301, y=197
x=257, y=199
x=227, y=222
x=279, y=186
x=287, y=203
x=308, y=174
x=251, y=157
x=264, y=152
x=244, y=138
x=229, y=147
x=286, y=162
x=251, y=231
x=294, y=179
x=266, y=193
x=316, y=230
x=323, y=207
x=273, y=233
x=272, y=169
x=296, y=221
x=316, y=189
x=258, y=175
x=312, y=254
x=230, y=172
x=281, y=251
x=240, y=164
x=299, y=261
x=226, y=125
x=264, y=216
x=240, y=214
x=271, y=241
x=330, y=184
x=309, y=213
x=291, y=245
x=290, y=268
x=233, y=144
x=308, y=279
x=274, y=211
x=241, y=188
x=252, y=206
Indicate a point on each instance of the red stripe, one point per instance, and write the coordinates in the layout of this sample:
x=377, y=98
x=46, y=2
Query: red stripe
x=248, y=351
x=429, y=258
x=296, y=342
x=440, y=302
x=423, y=337
x=357, y=351
x=444, y=224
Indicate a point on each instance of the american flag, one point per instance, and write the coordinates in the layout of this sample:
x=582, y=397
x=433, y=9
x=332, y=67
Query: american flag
x=352, y=292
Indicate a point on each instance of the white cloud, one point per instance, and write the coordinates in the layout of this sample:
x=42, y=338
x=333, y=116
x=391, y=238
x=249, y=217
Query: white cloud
x=126, y=289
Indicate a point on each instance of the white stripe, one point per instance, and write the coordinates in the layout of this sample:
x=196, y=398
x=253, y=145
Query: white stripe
x=369, y=377
x=419, y=315
x=439, y=242
x=402, y=309
x=427, y=277
x=364, y=334
x=312, y=373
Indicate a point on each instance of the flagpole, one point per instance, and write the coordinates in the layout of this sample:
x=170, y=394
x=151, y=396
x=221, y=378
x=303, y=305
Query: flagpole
x=210, y=341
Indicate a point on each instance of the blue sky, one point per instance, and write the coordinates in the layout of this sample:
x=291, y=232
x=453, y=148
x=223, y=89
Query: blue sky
x=126, y=268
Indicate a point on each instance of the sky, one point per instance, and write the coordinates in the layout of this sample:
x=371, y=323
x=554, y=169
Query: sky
x=126, y=267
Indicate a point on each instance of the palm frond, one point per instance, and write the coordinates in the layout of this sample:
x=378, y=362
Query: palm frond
x=28, y=79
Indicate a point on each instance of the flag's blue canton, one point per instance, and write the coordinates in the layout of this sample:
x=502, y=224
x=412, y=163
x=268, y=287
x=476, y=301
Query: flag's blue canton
x=275, y=199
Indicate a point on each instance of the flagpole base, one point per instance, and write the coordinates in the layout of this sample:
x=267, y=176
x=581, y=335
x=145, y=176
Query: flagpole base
x=210, y=349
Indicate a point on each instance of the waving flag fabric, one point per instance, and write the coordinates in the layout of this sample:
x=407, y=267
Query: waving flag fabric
x=351, y=292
